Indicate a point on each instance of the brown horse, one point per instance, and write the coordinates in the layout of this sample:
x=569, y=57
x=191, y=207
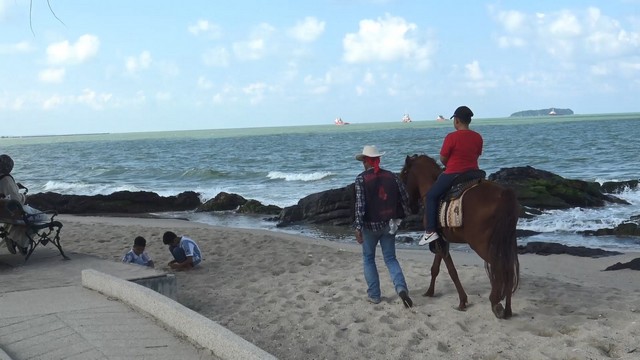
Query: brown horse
x=490, y=215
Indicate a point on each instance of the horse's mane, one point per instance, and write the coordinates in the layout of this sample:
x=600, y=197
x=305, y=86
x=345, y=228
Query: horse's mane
x=424, y=157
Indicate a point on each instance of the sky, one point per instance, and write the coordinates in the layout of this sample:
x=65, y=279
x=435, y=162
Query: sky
x=130, y=66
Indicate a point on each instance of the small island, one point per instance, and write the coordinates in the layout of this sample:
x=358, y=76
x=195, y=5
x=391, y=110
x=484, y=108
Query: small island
x=543, y=112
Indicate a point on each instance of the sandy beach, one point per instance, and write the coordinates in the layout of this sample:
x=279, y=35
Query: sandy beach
x=304, y=298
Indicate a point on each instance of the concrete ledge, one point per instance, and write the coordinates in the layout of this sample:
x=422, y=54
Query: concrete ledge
x=164, y=284
x=4, y=355
x=205, y=332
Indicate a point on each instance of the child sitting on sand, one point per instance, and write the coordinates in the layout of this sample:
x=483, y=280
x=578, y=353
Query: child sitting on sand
x=185, y=251
x=137, y=255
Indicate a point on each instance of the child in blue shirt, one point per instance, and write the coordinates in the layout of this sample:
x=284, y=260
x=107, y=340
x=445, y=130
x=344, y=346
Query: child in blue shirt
x=185, y=251
x=137, y=255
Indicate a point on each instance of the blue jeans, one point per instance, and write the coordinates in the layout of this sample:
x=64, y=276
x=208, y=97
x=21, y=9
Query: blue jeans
x=442, y=184
x=388, y=245
x=178, y=253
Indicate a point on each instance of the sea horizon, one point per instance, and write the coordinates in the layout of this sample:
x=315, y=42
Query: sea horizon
x=267, y=130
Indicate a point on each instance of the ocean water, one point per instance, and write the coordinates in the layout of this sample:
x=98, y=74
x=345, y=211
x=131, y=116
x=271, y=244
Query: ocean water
x=281, y=165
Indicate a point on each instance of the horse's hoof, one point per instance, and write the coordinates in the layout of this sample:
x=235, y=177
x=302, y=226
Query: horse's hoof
x=507, y=314
x=428, y=293
x=498, y=311
x=461, y=308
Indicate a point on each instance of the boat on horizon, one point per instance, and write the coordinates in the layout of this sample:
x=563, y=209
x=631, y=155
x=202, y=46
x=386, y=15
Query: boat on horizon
x=552, y=112
x=440, y=118
x=406, y=118
x=338, y=121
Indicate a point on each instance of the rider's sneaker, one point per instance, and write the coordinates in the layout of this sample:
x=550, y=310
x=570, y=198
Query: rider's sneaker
x=427, y=238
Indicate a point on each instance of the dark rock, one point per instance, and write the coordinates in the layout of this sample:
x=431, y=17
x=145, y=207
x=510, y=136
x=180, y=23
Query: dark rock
x=544, y=190
x=222, y=202
x=403, y=239
x=547, y=248
x=333, y=207
x=616, y=187
x=633, y=265
x=118, y=202
x=525, y=233
x=630, y=227
x=256, y=207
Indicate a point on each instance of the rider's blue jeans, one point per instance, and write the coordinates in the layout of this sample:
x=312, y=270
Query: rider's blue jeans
x=442, y=184
x=388, y=244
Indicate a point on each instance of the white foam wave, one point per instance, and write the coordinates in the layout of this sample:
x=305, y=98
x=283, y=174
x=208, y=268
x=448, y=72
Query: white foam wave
x=84, y=188
x=275, y=175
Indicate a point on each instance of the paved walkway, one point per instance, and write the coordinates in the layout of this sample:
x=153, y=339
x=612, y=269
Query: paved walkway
x=46, y=313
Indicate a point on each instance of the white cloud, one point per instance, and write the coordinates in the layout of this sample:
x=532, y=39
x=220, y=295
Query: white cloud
x=511, y=41
x=9, y=103
x=4, y=7
x=225, y=95
x=167, y=68
x=631, y=68
x=333, y=77
x=17, y=48
x=88, y=97
x=18, y=104
x=369, y=78
x=204, y=27
x=307, y=30
x=513, y=21
x=53, y=102
x=607, y=37
x=256, y=92
x=138, y=63
x=566, y=34
x=163, y=96
x=515, y=24
x=256, y=47
x=63, y=53
x=565, y=25
x=52, y=75
x=473, y=71
x=600, y=69
x=317, y=85
x=218, y=57
x=93, y=99
x=386, y=39
x=204, y=84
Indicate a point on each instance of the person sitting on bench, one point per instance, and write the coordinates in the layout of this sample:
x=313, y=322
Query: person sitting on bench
x=9, y=189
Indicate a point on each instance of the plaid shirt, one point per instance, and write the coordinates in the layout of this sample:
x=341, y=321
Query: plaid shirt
x=359, y=223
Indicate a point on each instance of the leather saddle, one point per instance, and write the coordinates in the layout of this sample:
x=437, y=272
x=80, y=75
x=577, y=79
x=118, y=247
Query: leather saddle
x=450, y=209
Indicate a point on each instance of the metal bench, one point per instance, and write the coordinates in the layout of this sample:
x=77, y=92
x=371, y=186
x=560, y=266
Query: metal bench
x=40, y=228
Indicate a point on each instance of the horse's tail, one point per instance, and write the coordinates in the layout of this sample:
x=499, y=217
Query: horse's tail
x=503, y=266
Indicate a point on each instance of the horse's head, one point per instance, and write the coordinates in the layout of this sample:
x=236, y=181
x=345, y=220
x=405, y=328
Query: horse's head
x=418, y=174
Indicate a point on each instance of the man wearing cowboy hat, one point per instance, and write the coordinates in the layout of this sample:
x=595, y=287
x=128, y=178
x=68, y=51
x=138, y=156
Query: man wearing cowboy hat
x=381, y=198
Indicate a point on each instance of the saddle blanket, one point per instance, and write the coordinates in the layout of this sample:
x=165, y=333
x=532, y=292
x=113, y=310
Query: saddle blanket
x=450, y=211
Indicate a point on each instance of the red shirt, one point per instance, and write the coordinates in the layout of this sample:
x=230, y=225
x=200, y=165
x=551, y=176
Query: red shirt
x=462, y=148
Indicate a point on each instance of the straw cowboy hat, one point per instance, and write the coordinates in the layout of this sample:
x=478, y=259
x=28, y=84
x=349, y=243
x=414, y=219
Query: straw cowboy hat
x=369, y=151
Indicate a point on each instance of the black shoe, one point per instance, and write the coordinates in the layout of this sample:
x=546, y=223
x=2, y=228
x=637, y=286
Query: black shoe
x=23, y=250
x=11, y=246
x=406, y=300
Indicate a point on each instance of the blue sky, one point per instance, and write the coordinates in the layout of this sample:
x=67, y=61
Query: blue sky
x=125, y=66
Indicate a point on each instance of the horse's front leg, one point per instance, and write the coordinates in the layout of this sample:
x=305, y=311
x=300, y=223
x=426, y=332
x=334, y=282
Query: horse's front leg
x=462, y=295
x=435, y=270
